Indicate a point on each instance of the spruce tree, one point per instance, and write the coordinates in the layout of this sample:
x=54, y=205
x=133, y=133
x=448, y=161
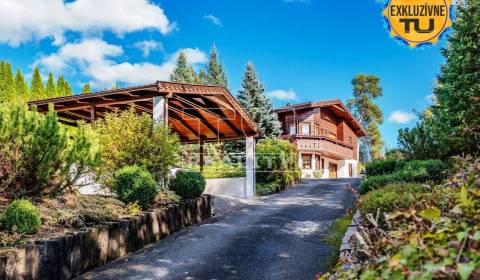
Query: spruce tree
x=215, y=71
x=37, y=90
x=50, y=90
x=456, y=110
x=183, y=73
x=60, y=86
x=86, y=88
x=21, y=85
x=68, y=89
x=253, y=99
x=7, y=86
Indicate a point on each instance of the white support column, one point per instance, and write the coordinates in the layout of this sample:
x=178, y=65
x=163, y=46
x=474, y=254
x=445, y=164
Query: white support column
x=250, y=167
x=313, y=163
x=160, y=109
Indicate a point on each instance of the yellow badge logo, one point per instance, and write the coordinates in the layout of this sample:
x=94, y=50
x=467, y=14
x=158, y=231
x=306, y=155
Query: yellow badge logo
x=418, y=21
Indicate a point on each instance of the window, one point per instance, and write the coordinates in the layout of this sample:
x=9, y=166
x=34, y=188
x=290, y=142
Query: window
x=305, y=128
x=350, y=140
x=317, y=129
x=293, y=129
x=323, y=163
x=307, y=161
x=317, y=162
x=350, y=170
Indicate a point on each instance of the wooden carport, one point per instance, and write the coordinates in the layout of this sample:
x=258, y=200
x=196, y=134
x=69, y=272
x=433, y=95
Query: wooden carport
x=197, y=113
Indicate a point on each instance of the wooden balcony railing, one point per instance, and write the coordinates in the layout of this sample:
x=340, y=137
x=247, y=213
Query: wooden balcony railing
x=324, y=144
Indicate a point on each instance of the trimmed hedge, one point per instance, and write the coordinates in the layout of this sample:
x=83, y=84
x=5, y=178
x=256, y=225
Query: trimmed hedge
x=135, y=184
x=22, y=217
x=419, y=171
x=394, y=196
x=380, y=167
x=188, y=184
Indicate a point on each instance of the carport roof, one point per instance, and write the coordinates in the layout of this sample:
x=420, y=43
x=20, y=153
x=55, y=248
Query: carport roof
x=195, y=112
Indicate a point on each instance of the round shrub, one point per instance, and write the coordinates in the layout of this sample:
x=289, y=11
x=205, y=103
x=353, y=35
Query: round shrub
x=135, y=184
x=188, y=184
x=22, y=216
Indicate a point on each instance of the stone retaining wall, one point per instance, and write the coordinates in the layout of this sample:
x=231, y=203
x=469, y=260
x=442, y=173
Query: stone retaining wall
x=80, y=251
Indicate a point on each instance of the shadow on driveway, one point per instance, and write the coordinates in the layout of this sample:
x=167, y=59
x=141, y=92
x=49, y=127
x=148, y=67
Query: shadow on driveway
x=277, y=237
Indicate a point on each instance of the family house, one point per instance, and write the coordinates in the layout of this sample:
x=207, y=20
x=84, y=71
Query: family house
x=326, y=136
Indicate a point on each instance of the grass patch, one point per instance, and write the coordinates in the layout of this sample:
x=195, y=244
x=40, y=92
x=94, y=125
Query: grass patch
x=335, y=235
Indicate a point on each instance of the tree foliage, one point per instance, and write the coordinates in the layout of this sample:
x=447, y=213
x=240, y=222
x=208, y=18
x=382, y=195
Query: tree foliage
x=366, y=88
x=50, y=89
x=215, y=74
x=452, y=125
x=38, y=156
x=252, y=97
x=129, y=139
x=21, y=85
x=183, y=73
x=37, y=89
x=86, y=88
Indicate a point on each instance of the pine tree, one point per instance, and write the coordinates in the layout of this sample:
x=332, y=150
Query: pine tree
x=86, y=88
x=366, y=88
x=183, y=73
x=60, y=86
x=21, y=85
x=456, y=111
x=7, y=86
x=37, y=90
x=251, y=96
x=67, y=89
x=50, y=91
x=215, y=71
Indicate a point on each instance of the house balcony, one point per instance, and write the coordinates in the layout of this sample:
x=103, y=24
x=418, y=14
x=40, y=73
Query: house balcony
x=324, y=145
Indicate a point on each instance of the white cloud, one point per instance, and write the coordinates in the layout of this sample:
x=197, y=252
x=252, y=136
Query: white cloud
x=215, y=20
x=27, y=20
x=95, y=58
x=148, y=45
x=283, y=94
x=401, y=117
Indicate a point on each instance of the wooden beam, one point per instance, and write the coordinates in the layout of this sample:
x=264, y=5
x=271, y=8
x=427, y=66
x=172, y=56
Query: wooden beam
x=195, y=115
x=176, y=117
x=102, y=103
x=201, y=108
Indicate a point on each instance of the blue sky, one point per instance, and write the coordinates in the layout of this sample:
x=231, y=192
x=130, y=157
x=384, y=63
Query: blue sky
x=303, y=50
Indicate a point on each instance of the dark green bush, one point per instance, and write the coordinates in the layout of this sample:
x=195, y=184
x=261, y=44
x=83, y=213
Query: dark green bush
x=379, y=167
x=394, y=196
x=135, y=184
x=22, y=217
x=419, y=171
x=188, y=184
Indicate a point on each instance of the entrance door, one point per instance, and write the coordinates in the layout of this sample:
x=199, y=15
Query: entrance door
x=332, y=170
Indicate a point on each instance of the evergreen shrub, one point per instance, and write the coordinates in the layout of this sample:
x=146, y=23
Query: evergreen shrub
x=22, y=216
x=134, y=184
x=188, y=184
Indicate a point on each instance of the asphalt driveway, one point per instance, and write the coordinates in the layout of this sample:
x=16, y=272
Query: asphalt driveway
x=277, y=237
